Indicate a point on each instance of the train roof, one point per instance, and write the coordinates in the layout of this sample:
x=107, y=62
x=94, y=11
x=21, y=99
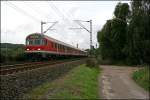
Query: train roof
x=56, y=41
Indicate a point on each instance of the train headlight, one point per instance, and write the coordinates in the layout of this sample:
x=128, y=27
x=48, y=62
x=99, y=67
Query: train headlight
x=39, y=49
x=27, y=49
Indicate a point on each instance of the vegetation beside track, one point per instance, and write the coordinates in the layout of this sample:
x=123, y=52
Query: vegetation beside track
x=80, y=82
x=14, y=86
x=142, y=77
x=12, y=53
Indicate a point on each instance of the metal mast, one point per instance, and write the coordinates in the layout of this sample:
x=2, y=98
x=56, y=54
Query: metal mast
x=90, y=34
x=42, y=23
x=83, y=27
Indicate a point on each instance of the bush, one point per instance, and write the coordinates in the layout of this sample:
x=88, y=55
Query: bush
x=142, y=77
x=21, y=57
x=92, y=62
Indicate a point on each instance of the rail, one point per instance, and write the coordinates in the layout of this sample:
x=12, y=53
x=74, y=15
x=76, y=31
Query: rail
x=11, y=69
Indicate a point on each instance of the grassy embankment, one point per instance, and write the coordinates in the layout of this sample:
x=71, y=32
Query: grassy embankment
x=80, y=82
x=142, y=77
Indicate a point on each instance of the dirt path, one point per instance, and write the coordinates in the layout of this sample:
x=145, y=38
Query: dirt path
x=116, y=83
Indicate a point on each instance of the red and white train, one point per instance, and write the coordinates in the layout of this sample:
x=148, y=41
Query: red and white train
x=40, y=45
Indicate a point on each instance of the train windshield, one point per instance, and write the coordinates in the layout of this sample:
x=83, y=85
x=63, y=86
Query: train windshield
x=36, y=42
x=36, y=39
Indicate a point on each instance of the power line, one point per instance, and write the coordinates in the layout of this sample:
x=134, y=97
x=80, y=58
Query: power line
x=42, y=23
x=64, y=16
x=83, y=27
x=37, y=11
x=58, y=12
x=22, y=11
x=68, y=19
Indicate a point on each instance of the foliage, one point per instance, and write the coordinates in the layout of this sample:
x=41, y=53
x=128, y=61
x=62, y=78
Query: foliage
x=122, y=11
x=126, y=37
x=142, y=77
x=10, y=45
x=91, y=52
x=112, y=39
x=92, y=63
x=12, y=52
x=138, y=37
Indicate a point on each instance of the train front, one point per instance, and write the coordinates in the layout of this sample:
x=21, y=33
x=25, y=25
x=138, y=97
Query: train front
x=35, y=46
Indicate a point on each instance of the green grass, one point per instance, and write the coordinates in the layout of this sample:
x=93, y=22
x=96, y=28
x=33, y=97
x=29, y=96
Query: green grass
x=142, y=77
x=80, y=82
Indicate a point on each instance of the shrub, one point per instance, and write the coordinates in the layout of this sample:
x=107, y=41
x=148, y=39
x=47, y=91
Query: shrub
x=142, y=77
x=92, y=62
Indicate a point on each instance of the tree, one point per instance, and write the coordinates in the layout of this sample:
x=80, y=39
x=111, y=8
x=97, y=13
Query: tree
x=138, y=36
x=112, y=37
x=127, y=35
x=122, y=11
x=104, y=40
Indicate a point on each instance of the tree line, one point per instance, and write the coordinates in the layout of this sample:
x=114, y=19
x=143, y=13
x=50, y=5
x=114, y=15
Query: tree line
x=126, y=37
x=12, y=52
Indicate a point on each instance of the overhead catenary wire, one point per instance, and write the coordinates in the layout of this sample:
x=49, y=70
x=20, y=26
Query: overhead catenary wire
x=37, y=11
x=22, y=11
x=64, y=16
x=58, y=12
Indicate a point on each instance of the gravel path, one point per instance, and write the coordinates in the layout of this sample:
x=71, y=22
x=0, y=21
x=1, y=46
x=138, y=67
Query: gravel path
x=116, y=83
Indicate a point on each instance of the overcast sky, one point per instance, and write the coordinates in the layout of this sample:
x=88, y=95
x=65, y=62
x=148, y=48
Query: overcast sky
x=21, y=18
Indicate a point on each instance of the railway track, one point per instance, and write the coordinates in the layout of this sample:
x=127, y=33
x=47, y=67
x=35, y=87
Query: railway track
x=11, y=69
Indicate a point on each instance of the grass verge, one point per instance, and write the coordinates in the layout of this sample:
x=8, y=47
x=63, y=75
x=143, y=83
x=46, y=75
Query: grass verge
x=80, y=83
x=142, y=78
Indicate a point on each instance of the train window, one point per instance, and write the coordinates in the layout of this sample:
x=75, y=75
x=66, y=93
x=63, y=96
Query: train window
x=52, y=44
x=30, y=42
x=37, y=41
x=58, y=46
x=55, y=45
x=27, y=42
x=61, y=47
x=44, y=42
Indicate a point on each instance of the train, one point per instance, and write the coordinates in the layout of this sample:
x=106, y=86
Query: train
x=40, y=46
